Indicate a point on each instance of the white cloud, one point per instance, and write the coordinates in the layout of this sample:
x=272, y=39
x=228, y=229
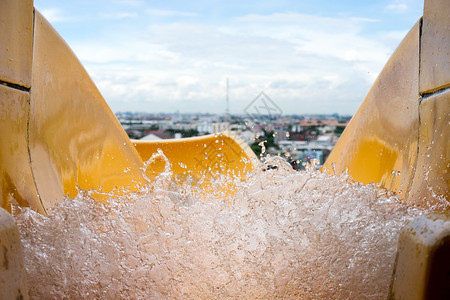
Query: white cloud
x=397, y=6
x=170, y=13
x=118, y=16
x=369, y=20
x=134, y=3
x=123, y=50
x=305, y=63
x=53, y=15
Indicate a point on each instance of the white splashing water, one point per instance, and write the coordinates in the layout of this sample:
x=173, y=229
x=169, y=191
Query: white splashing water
x=284, y=234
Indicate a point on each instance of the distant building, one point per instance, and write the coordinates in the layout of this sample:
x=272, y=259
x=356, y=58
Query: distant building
x=151, y=137
x=299, y=138
x=160, y=133
x=204, y=127
x=247, y=136
x=219, y=127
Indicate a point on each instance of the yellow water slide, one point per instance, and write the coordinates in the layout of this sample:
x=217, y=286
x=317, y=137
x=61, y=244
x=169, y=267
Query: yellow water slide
x=399, y=137
x=57, y=133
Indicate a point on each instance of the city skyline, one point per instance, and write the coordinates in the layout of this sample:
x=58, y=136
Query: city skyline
x=309, y=58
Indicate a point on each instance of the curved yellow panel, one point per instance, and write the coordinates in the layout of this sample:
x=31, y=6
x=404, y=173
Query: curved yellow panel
x=380, y=143
x=61, y=135
x=16, y=40
x=75, y=139
x=432, y=176
x=435, y=45
x=16, y=179
x=399, y=137
x=200, y=156
x=197, y=161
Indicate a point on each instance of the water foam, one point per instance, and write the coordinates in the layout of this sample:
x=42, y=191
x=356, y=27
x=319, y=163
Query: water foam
x=284, y=234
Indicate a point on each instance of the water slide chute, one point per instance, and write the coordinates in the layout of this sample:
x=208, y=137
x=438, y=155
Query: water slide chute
x=58, y=134
x=399, y=136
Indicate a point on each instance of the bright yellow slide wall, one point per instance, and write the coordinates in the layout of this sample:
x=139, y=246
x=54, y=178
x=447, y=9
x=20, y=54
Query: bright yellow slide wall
x=399, y=137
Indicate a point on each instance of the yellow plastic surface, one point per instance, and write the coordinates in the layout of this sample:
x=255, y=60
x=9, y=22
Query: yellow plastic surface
x=423, y=263
x=399, y=136
x=16, y=179
x=432, y=176
x=435, y=46
x=13, y=281
x=203, y=156
x=198, y=160
x=16, y=36
x=74, y=138
x=380, y=142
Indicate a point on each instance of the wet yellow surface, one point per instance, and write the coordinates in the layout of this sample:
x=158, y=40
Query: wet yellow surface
x=432, y=177
x=399, y=136
x=16, y=179
x=74, y=138
x=200, y=156
x=380, y=143
x=435, y=45
x=16, y=36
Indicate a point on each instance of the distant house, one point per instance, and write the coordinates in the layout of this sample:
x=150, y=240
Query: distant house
x=159, y=134
x=151, y=137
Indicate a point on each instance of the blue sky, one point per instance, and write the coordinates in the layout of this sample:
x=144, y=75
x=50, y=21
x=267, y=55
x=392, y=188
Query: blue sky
x=165, y=56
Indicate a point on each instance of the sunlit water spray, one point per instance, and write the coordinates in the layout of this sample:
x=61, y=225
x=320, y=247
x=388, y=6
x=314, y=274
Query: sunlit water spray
x=284, y=234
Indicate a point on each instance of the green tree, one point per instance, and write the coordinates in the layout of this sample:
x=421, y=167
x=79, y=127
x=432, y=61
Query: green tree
x=269, y=141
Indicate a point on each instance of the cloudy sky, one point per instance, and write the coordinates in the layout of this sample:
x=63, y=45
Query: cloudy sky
x=308, y=56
